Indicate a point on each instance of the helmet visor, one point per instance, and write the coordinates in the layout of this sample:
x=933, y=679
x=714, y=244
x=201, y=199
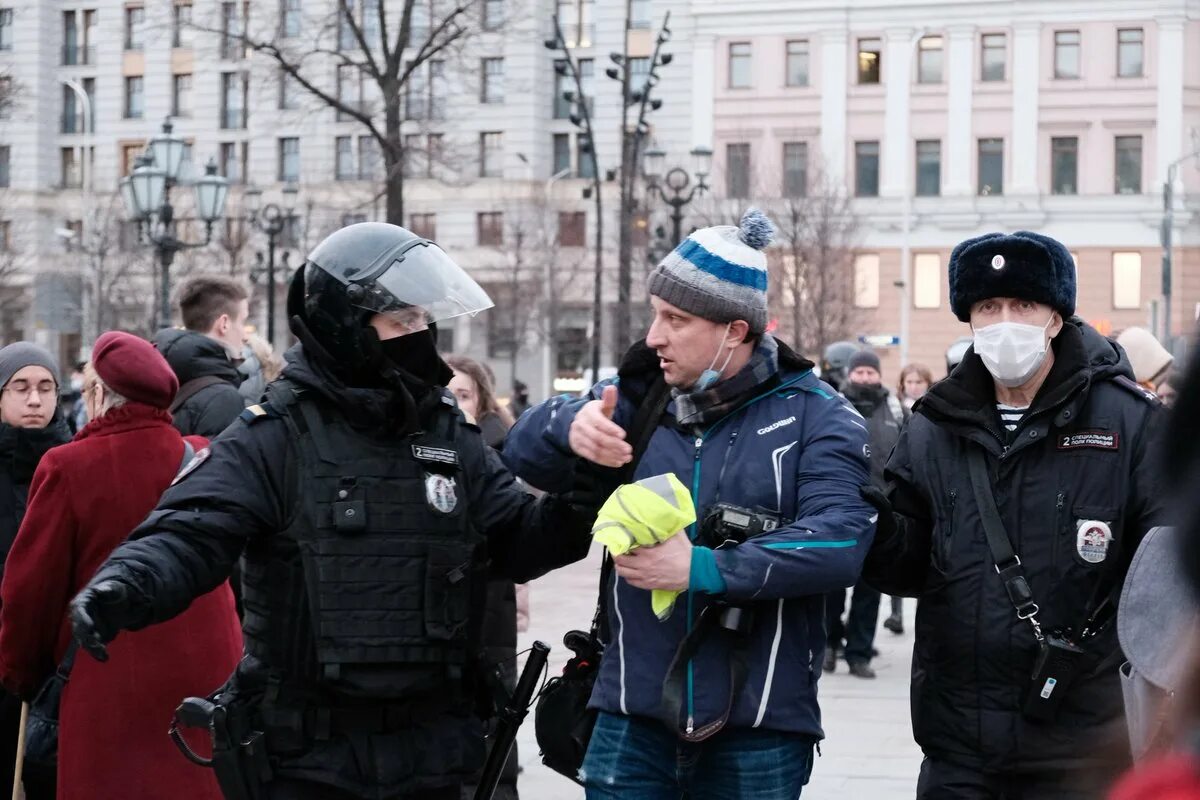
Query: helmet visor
x=421, y=280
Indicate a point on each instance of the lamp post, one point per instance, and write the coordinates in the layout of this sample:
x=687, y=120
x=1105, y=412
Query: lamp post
x=273, y=221
x=146, y=193
x=88, y=180
x=677, y=181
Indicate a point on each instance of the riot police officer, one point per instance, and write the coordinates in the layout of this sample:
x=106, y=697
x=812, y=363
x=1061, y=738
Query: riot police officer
x=368, y=510
x=834, y=362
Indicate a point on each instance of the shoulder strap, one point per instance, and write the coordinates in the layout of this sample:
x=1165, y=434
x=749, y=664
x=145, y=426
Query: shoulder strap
x=640, y=432
x=189, y=390
x=1007, y=562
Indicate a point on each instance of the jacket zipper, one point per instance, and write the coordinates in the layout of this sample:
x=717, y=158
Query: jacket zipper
x=1059, y=502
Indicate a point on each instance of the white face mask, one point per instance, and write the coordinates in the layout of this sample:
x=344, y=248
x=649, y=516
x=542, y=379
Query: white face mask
x=710, y=375
x=1012, y=351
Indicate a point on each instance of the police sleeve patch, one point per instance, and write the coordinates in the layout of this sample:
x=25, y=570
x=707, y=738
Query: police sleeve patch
x=198, y=459
x=253, y=413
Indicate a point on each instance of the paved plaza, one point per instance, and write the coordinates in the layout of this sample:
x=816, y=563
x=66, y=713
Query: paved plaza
x=868, y=752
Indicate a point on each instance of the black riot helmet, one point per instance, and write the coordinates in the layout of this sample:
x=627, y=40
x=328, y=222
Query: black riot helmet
x=834, y=362
x=376, y=268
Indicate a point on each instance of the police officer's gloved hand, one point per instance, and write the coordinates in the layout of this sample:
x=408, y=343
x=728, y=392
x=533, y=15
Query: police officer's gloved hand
x=886, y=526
x=93, y=613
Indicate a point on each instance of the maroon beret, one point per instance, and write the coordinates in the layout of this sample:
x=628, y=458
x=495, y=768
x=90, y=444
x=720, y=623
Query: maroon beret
x=132, y=368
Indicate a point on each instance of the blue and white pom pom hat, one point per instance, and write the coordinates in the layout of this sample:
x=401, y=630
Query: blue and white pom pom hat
x=720, y=273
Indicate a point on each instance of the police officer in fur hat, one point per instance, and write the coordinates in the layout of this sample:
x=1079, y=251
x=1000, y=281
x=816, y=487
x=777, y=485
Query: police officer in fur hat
x=1021, y=487
x=369, y=512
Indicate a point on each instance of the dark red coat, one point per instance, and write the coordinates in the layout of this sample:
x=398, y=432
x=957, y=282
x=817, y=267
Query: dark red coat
x=85, y=498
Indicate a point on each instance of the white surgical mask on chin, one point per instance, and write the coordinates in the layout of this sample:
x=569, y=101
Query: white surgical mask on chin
x=710, y=375
x=1012, y=351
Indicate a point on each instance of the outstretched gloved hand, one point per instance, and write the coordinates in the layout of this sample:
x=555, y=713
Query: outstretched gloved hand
x=92, y=613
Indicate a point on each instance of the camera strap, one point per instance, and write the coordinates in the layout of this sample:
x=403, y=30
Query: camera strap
x=1006, y=561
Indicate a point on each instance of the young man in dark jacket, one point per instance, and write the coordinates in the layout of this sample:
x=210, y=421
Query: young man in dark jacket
x=884, y=415
x=748, y=426
x=214, y=310
x=30, y=424
x=1015, y=688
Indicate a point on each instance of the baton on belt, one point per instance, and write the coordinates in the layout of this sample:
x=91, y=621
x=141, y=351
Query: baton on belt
x=510, y=719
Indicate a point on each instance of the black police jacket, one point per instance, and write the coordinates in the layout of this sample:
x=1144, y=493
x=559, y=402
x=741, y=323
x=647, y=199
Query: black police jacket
x=1081, y=454
x=248, y=488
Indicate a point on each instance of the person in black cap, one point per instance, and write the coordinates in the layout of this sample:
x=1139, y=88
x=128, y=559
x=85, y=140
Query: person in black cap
x=370, y=513
x=1021, y=487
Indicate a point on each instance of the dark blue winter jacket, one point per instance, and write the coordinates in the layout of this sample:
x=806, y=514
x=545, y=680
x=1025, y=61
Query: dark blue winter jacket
x=792, y=446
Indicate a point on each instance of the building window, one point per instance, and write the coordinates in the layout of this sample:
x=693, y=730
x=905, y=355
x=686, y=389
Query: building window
x=797, y=63
x=423, y=225
x=5, y=160
x=491, y=151
x=349, y=90
x=232, y=161
x=133, y=96
x=181, y=96
x=795, y=169
x=1130, y=43
x=1129, y=165
x=344, y=162
x=416, y=160
x=370, y=159
x=866, y=280
x=737, y=170
x=639, y=14
x=639, y=74
x=1127, y=280
x=289, y=92
x=70, y=54
x=345, y=28
x=866, y=169
x=493, y=15
x=927, y=280
x=181, y=25
x=491, y=89
x=576, y=19
x=870, y=58
x=1066, y=54
x=739, y=65
x=572, y=228
x=71, y=122
x=993, y=55
x=289, y=159
x=1064, y=165
x=489, y=228
x=69, y=174
x=6, y=28
x=289, y=18
x=930, y=59
x=929, y=168
x=562, y=154
x=233, y=100
x=128, y=154
x=5, y=236
x=991, y=166
x=232, y=47
x=585, y=167
x=565, y=83
x=135, y=18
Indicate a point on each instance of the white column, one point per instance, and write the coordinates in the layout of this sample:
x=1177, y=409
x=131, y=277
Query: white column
x=704, y=80
x=956, y=180
x=1026, y=76
x=834, y=74
x=1170, y=95
x=897, y=77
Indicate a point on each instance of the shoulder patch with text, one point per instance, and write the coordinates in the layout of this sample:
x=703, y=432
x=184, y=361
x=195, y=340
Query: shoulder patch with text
x=1097, y=440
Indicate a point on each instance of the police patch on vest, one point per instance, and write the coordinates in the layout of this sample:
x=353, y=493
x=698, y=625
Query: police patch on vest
x=437, y=455
x=441, y=493
x=198, y=459
x=1099, y=440
x=1092, y=540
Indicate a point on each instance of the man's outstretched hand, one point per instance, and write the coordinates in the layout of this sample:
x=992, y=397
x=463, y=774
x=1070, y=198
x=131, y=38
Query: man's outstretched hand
x=596, y=437
x=91, y=614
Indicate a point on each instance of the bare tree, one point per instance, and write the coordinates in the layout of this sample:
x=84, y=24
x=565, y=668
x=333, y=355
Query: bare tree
x=116, y=270
x=373, y=53
x=813, y=264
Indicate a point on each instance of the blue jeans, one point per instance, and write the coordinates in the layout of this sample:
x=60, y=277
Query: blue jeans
x=633, y=758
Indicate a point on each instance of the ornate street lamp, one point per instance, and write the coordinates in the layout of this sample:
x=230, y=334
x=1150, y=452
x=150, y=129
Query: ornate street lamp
x=272, y=220
x=677, y=182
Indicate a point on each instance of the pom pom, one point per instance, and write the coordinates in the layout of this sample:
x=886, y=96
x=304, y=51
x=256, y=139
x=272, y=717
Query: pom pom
x=755, y=229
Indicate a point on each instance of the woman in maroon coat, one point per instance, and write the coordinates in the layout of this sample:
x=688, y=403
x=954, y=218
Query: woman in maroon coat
x=85, y=498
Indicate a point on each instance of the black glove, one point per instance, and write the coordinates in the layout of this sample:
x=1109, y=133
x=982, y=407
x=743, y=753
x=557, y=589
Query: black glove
x=886, y=527
x=92, y=615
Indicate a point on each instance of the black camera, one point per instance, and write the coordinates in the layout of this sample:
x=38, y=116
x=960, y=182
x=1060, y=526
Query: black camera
x=725, y=522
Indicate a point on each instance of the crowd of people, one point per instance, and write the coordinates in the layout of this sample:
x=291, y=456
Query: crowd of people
x=331, y=548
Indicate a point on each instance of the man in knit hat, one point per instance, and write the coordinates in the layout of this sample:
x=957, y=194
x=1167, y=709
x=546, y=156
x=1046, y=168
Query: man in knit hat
x=707, y=702
x=1021, y=488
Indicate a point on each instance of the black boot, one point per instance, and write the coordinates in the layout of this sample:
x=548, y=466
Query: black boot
x=861, y=669
x=894, y=623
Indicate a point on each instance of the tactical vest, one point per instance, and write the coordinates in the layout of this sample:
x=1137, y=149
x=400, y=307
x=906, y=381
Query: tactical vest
x=376, y=587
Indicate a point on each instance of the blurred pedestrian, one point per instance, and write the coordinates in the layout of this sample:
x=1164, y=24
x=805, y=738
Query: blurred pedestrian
x=884, y=416
x=1166, y=389
x=915, y=380
x=472, y=387
x=214, y=310
x=85, y=498
x=260, y=365
x=1148, y=358
x=31, y=423
x=519, y=403
x=1021, y=487
x=70, y=400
